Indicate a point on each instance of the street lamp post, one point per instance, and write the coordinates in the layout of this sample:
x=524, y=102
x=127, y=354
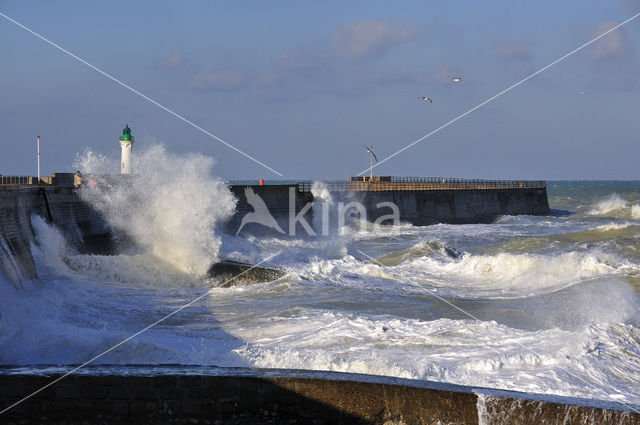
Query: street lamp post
x=38, y=144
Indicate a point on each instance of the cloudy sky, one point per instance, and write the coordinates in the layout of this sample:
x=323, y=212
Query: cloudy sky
x=300, y=86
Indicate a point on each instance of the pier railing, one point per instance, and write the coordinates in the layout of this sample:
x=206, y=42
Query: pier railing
x=17, y=180
x=423, y=183
x=58, y=179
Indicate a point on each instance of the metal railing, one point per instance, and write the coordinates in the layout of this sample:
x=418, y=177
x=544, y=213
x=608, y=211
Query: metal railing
x=32, y=181
x=17, y=180
x=424, y=183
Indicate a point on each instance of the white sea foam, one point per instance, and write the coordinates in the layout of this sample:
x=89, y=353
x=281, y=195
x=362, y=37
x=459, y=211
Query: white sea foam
x=609, y=205
x=612, y=226
x=466, y=352
x=54, y=257
x=616, y=206
x=522, y=274
x=169, y=206
x=51, y=250
x=502, y=274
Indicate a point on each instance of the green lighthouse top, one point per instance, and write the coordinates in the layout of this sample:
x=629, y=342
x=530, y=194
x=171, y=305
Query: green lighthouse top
x=126, y=134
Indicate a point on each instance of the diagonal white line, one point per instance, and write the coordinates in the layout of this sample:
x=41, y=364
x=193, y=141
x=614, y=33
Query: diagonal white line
x=175, y=114
x=134, y=335
x=466, y=313
x=498, y=95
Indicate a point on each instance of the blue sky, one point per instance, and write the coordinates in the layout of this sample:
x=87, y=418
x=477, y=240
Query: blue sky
x=301, y=86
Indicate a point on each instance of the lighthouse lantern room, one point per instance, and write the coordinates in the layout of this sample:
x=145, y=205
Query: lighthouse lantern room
x=126, y=143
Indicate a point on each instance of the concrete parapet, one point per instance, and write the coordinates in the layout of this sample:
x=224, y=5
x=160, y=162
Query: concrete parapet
x=286, y=397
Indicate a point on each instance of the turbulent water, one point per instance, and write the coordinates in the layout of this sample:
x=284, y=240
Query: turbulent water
x=536, y=304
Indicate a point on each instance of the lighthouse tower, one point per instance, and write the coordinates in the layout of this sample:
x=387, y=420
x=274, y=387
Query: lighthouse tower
x=126, y=143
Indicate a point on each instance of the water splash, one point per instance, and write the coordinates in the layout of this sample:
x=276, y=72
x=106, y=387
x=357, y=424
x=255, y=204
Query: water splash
x=608, y=205
x=320, y=192
x=169, y=207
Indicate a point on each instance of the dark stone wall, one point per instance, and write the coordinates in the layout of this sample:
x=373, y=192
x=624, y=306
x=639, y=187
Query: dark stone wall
x=82, y=226
x=495, y=410
x=277, y=199
x=427, y=207
x=16, y=234
x=276, y=400
x=418, y=207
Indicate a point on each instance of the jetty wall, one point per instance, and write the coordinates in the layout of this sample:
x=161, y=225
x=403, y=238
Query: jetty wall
x=289, y=208
x=282, y=201
x=287, y=397
x=83, y=227
x=459, y=206
x=419, y=204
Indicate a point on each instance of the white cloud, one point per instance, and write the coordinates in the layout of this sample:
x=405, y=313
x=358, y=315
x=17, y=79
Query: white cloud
x=612, y=45
x=225, y=79
x=174, y=61
x=361, y=40
x=513, y=51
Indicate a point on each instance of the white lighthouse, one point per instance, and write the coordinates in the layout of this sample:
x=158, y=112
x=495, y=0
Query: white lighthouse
x=126, y=143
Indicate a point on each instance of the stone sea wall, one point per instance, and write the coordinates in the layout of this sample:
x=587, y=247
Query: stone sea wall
x=305, y=399
x=83, y=227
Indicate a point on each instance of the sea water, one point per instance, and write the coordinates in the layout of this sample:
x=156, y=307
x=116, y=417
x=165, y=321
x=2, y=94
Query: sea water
x=535, y=304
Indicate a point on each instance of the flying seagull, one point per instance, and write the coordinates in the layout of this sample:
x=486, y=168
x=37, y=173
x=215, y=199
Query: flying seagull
x=457, y=79
x=581, y=91
x=425, y=98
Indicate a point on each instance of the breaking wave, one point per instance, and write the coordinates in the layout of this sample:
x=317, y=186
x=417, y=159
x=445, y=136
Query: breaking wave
x=502, y=274
x=616, y=206
x=169, y=207
x=465, y=352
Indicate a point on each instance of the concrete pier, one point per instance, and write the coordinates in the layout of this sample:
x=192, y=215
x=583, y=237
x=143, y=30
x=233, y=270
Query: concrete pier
x=418, y=201
x=287, y=209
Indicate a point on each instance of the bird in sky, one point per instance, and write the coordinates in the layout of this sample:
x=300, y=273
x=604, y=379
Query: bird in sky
x=581, y=91
x=457, y=79
x=425, y=98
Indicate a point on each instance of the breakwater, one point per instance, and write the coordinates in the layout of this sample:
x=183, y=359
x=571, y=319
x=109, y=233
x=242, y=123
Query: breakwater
x=423, y=201
x=247, y=396
x=279, y=208
x=84, y=228
x=87, y=231
x=281, y=201
x=291, y=209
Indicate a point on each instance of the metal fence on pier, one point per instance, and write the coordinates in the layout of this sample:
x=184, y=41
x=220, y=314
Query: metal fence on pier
x=17, y=180
x=423, y=183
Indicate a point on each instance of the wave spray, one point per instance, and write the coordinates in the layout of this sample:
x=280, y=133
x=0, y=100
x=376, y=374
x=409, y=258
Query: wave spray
x=169, y=207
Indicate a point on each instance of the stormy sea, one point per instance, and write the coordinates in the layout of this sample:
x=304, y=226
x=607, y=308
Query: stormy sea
x=547, y=305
